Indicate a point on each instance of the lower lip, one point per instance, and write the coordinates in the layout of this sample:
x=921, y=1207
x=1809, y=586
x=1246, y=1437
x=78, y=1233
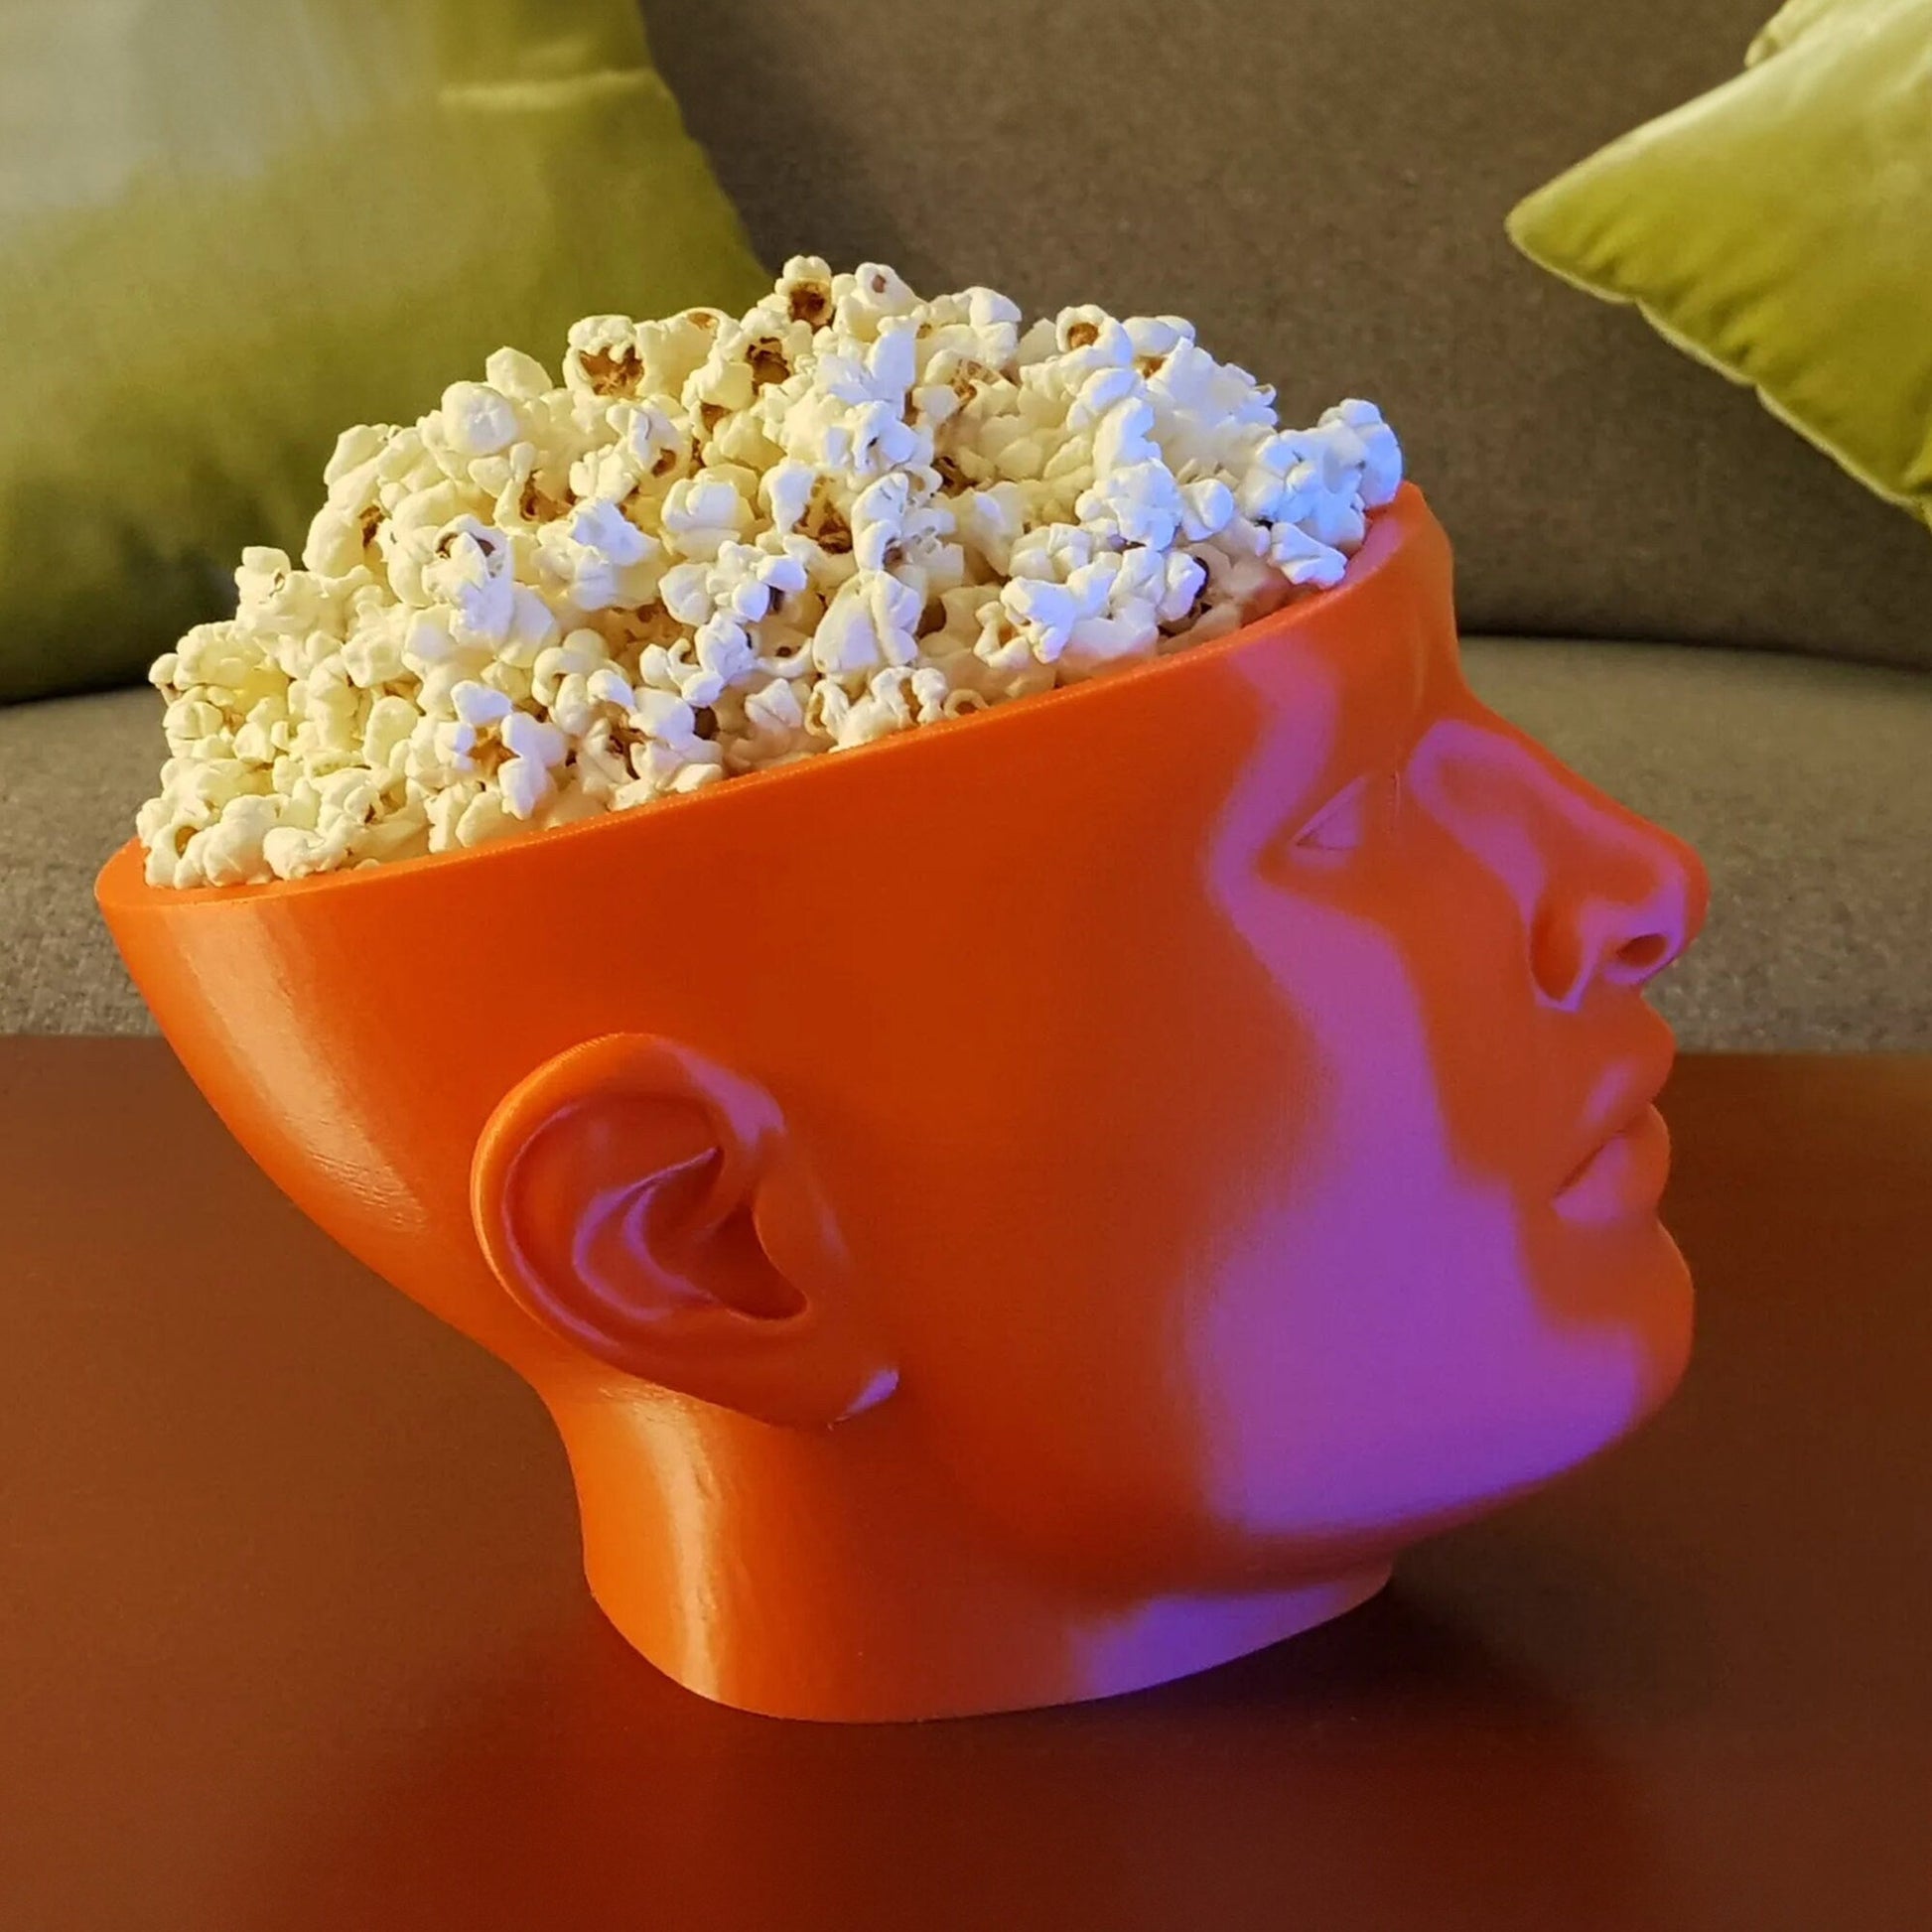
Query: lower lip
x=1623, y=1177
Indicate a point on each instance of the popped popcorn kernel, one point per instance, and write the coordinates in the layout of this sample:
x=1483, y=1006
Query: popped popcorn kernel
x=723, y=544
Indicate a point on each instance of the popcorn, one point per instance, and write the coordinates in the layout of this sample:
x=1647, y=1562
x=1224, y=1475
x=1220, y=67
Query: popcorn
x=718, y=545
x=1302, y=557
x=477, y=705
x=603, y=357
x=775, y=728
x=1140, y=502
x=230, y=852
x=872, y=294
x=702, y=513
x=387, y=730
x=477, y=420
x=667, y=718
x=471, y=571
x=597, y=558
x=511, y=373
x=869, y=622
x=525, y=785
x=786, y=489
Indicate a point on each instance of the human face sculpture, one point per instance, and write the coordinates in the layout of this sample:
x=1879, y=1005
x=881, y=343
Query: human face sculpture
x=1029, y=1208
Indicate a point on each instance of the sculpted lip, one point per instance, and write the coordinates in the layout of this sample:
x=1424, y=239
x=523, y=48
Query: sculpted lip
x=1626, y=1167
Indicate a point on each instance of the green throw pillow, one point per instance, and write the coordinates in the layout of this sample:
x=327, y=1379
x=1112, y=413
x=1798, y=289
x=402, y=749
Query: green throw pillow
x=230, y=228
x=1780, y=229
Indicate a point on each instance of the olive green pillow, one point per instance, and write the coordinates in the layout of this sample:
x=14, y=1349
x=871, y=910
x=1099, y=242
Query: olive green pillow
x=1780, y=229
x=228, y=228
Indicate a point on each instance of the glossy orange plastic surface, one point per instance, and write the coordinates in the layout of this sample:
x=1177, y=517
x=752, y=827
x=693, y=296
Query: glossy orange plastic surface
x=1026, y=1209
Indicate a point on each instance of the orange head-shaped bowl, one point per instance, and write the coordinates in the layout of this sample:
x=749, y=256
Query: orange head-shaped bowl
x=1025, y=1209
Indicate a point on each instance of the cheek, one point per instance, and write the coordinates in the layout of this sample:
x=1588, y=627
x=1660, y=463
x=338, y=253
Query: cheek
x=1040, y=1377
x=1091, y=1158
x=1079, y=1458
x=1380, y=1344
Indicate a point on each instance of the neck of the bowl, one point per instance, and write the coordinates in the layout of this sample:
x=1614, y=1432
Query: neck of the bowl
x=820, y=1575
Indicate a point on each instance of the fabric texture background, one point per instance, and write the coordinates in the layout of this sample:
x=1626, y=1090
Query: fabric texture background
x=1780, y=229
x=230, y=228
x=1321, y=185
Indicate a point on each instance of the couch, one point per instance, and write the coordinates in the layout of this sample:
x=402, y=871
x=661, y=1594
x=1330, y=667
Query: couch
x=1694, y=608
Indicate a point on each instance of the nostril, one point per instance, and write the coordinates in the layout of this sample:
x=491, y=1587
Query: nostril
x=1567, y=955
x=1644, y=954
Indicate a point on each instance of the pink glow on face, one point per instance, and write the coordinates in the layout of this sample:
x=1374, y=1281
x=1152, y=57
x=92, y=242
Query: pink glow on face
x=1456, y=1285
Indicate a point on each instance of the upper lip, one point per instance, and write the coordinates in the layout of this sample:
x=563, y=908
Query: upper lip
x=1620, y=1097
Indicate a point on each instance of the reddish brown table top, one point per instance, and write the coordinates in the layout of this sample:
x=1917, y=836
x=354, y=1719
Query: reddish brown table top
x=292, y=1634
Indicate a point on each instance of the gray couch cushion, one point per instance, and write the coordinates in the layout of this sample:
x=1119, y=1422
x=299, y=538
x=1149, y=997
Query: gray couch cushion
x=1807, y=785
x=72, y=772
x=1321, y=185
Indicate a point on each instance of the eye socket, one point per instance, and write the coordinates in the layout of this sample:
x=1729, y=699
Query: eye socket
x=1356, y=815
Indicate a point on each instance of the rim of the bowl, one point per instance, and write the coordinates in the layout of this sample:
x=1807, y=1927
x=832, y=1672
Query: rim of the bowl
x=121, y=879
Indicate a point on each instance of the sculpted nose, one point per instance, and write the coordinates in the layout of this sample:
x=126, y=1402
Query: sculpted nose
x=1625, y=904
x=1605, y=896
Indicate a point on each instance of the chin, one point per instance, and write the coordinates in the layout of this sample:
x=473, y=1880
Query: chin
x=1640, y=1323
x=1619, y=1363
x=1608, y=1344
x=1627, y=1278
x=1663, y=1322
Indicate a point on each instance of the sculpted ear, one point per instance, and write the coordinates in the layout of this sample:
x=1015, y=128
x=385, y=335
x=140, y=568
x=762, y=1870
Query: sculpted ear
x=645, y=1203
